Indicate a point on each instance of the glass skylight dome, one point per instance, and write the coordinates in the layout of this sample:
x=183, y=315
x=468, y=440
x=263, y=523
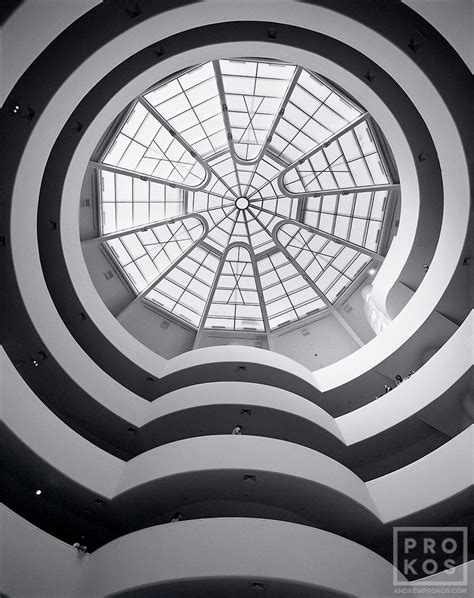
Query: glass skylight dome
x=243, y=195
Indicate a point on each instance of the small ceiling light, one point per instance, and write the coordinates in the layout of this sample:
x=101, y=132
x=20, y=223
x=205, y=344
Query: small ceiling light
x=38, y=492
x=372, y=271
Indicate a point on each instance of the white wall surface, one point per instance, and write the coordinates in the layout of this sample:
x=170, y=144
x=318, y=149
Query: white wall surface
x=50, y=438
x=248, y=548
x=454, y=19
x=33, y=564
x=244, y=453
x=430, y=480
x=447, y=366
x=36, y=565
x=318, y=344
x=29, y=30
x=163, y=336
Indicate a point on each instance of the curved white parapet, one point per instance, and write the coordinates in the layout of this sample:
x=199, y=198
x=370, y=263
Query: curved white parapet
x=238, y=354
x=50, y=438
x=225, y=548
x=399, y=494
x=37, y=427
x=446, y=367
x=443, y=473
x=369, y=42
x=243, y=454
x=385, y=498
x=239, y=394
x=34, y=564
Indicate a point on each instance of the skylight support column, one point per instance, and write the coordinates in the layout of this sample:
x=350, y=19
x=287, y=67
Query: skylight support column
x=225, y=113
x=120, y=316
x=374, y=255
x=300, y=209
x=320, y=294
x=145, y=177
x=210, y=297
x=263, y=307
x=348, y=190
x=389, y=212
x=143, y=228
x=283, y=105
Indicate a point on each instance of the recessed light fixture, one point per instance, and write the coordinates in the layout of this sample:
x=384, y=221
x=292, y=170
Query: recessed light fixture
x=38, y=492
x=372, y=271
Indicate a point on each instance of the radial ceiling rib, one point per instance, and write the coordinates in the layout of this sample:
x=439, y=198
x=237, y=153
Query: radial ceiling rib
x=261, y=179
x=252, y=95
x=146, y=144
x=323, y=297
x=263, y=307
x=147, y=255
x=184, y=290
x=315, y=111
x=287, y=296
x=222, y=226
x=223, y=168
x=234, y=303
x=260, y=237
x=207, y=304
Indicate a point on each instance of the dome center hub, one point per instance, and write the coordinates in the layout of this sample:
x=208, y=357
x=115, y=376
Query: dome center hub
x=242, y=203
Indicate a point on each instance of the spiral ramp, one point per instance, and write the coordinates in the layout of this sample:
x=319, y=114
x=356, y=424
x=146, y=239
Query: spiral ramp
x=119, y=439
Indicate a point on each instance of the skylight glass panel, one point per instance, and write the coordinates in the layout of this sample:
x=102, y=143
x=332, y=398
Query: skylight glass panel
x=354, y=217
x=216, y=195
x=222, y=224
x=144, y=145
x=261, y=180
x=191, y=105
x=185, y=289
x=287, y=296
x=352, y=160
x=127, y=202
x=235, y=304
x=313, y=114
x=253, y=93
x=273, y=161
x=329, y=265
x=146, y=254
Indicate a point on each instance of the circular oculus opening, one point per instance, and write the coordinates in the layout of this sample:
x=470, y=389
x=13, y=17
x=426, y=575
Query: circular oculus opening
x=242, y=203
